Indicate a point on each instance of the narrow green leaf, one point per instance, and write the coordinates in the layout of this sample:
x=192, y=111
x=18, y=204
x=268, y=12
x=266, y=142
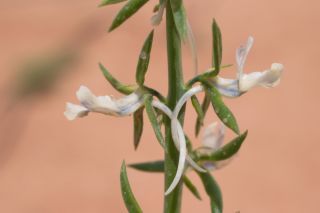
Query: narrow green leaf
x=205, y=105
x=222, y=111
x=227, y=150
x=130, y=8
x=144, y=59
x=217, y=46
x=124, y=89
x=197, y=106
x=213, y=191
x=189, y=144
x=187, y=182
x=180, y=18
x=108, y=2
x=154, y=166
x=208, y=74
x=175, y=4
x=158, y=167
x=138, y=126
x=127, y=195
x=153, y=120
x=155, y=93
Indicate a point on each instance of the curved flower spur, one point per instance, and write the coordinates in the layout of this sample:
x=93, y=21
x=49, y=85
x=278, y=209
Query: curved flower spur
x=139, y=98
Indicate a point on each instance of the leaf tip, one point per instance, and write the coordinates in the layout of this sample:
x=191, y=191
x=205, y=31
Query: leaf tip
x=245, y=134
x=111, y=28
x=123, y=165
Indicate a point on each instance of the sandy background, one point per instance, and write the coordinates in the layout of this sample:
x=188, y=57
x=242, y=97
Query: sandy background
x=51, y=165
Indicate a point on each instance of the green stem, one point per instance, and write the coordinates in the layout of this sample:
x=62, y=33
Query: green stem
x=172, y=202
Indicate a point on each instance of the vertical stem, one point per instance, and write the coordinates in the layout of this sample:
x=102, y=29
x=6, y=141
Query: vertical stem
x=172, y=202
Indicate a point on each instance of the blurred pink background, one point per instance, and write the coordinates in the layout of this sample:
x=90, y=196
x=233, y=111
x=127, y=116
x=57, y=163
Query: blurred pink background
x=51, y=165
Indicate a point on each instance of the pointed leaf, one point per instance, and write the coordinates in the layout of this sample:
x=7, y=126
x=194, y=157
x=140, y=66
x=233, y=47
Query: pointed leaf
x=138, y=126
x=227, y=151
x=205, y=105
x=197, y=106
x=189, y=144
x=108, y=2
x=153, y=120
x=124, y=89
x=222, y=111
x=213, y=191
x=154, y=166
x=158, y=167
x=217, y=46
x=126, y=12
x=127, y=195
x=180, y=18
x=144, y=59
x=187, y=182
x=207, y=75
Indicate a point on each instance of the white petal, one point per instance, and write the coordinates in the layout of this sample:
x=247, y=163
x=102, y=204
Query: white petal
x=268, y=78
x=272, y=76
x=227, y=87
x=241, y=55
x=74, y=111
x=191, y=92
x=178, y=134
x=101, y=104
x=129, y=104
x=86, y=98
x=168, y=112
x=107, y=105
x=214, y=135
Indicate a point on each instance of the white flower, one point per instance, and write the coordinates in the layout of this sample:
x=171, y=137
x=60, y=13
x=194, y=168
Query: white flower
x=244, y=82
x=102, y=104
x=213, y=138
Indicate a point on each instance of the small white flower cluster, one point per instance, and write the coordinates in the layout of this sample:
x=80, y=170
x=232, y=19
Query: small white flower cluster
x=214, y=134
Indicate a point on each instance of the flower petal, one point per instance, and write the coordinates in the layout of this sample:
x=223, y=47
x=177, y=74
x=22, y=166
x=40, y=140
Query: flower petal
x=214, y=135
x=227, y=87
x=178, y=135
x=86, y=98
x=74, y=111
x=272, y=76
x=129, y=104
x=168, y=112
x=269, y=78
x=241, y=55
x=108, y=105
